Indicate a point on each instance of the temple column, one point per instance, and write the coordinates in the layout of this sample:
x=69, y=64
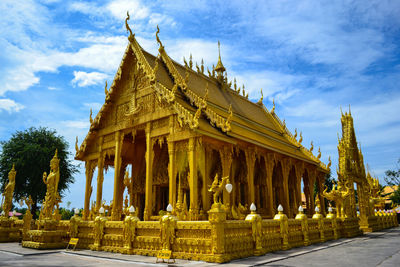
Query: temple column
x=269, y=165
x=89, y=168
x=118, y=179
x=321, y=180
x=100, y=175
x=172, y=173
x=193, y=179
x=311, y=181
x=149, y=175
x=226, y=161
x=286, y=164
x=250, y=160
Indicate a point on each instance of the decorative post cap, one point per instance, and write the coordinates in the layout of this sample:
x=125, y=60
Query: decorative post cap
x=375, y=210
x=2, y=213
x=301, y=208
x=228, y=188
x=330, y=209
x=253, y=207
x=316, y=209
x=101, y=210
x=280, y=208
x=14, y=213
x=76, y=211
x=169, y=208
x=132, y=209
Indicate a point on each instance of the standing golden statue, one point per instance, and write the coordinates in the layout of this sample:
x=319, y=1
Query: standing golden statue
x=217, y=188
x=51, y=180
x=8, y=192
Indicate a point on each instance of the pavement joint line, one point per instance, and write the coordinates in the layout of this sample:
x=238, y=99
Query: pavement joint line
x=28, y=254
x=12, y=253
x=110, y=259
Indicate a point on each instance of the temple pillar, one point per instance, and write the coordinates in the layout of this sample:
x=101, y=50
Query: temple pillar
x=172, y=174
x=321, y=180
x=226, y=161
x=148, y=208
x=89, y=168
x=286, y=165
x=269, y=165
x=118, y=178
x=311, y=181
x=100, y=175
x=250, y=161
x=193, y=179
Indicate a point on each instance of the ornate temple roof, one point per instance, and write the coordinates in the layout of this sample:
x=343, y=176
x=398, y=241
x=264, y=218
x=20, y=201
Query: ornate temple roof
x=207, y=104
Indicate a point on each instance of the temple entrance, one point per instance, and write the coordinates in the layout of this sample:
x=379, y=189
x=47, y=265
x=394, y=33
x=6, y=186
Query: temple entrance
x=160, y=176
x=292, y=186
x=239, y=180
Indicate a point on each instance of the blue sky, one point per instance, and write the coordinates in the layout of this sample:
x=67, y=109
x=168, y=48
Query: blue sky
x=312, y=57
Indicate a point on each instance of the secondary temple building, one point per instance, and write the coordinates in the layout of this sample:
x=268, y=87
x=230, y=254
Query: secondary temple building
x=168, y=130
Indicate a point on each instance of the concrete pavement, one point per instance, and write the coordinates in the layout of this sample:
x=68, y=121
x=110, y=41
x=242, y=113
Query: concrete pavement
x=374, y=249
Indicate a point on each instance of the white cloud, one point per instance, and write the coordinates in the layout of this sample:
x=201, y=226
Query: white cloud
x=10, y=105
x=83, y=79
x=77, y=124
x=136, y=10
x=93, y=105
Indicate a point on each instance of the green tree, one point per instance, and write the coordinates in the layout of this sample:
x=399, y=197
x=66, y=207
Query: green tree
x=395, y=198
x=393, y=176
x=31, y=151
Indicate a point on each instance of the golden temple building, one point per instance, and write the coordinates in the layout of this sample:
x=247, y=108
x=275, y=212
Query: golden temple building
x=168, y=130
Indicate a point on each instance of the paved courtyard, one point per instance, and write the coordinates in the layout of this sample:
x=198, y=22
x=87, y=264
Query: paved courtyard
x=374, y=249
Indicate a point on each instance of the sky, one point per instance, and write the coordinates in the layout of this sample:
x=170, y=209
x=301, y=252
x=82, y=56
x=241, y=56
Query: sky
x=311, y=57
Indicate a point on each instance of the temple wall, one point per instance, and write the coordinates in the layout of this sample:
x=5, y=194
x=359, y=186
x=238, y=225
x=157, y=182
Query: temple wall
x=194, y=240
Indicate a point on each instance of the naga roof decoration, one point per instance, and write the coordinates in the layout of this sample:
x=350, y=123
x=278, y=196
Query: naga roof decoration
x=197, y=98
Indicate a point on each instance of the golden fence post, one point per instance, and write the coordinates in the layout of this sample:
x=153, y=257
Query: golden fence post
x=256, y=227
x=332, y=216
x=217, y=219
x=318, y=216
x=284, y=228
x=304, y=225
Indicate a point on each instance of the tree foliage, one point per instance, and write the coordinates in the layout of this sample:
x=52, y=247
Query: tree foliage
x=31, y=151
x=393, y=176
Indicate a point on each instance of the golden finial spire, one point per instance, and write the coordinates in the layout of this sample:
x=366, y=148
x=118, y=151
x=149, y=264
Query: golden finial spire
x=76, y=144
x=312, y=146
x=261, y=98
x=220, y=67
x=128, y=29
x=90, y=117
x=105, y=89
x=190, y=61
x=273, y=106
x=301, y=137
x=295, y=133
x=158, y=38
x=202, y=66
x=329, y=163
x=319, y=153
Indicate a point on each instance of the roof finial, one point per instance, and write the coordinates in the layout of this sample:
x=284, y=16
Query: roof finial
x=128, y=29
x=261, y=98
x=220, y=67
x=158, y=39
x=349, y=110
x=273, y=106
x=105, y=89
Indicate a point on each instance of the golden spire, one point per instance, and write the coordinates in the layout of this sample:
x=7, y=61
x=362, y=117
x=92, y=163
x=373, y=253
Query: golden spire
x=105, y=89
x=90, y=117
x=260, y=101
x=220, y=67
x=301, y=137
x=76, y=144
x=128, y=29
x=273, y=106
